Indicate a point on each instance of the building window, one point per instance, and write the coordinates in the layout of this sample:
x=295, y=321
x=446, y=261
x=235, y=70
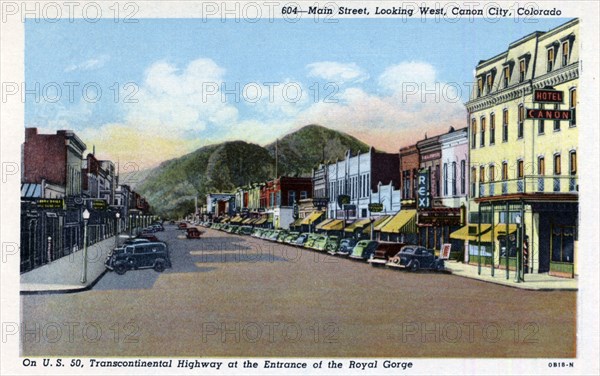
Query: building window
x=453, y=178
x=482, y=133
x=521, y=121
x=522, y=70
x=473, y=133
x=463, y=166
x=445, y=179
x=492, y=129
x=563, y=243
x=437, y=181
x=492, y=173
x=504, y=171
x=541, y=166
x=303, y=195
x=565, y=53
x=550, y=59
x=489, y=82
x=473, y=181
x=556, y=123
x=482, y=174
x=479, y=86
x=557, y=167
x=291, y=197
x=573, y=163
x=520, y=169
x=505, y=125
x=506, y=76
x=572, y=105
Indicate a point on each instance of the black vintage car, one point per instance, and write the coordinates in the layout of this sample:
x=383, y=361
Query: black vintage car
x=153, y=255
x=415, y=258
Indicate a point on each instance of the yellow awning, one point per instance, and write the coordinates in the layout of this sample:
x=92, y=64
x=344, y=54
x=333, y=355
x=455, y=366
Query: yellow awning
x=247, y=220
x=358, y=224
x=470, y=232
x=379, y=222
x=297, y=222
x=403, y=222
x=499, y=229
x=261, y=221
x=312, y=218
x=323, y=223
x=236, y=219
x=334, y=225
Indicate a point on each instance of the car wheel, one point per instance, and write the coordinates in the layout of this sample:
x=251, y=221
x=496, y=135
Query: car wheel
x=439, y=267
x=414, y=266
x=159, y=266
x=120, y=269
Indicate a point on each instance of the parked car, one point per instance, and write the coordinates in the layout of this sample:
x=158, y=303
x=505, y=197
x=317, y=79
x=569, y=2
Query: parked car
x=384, y=252
x=193, y=233
x=245, y=230
x=415, y=258
x=135, y=241
x=333, y=243
x=282, y=235
x=301, y=239
x=153, y=255
x=291, y=238
x=182, y=225
x=320, y=242
x=310, y=241
x=148, y=236
x=273, y=235
x=257, y=232
x=346, y=247
x=364, y=249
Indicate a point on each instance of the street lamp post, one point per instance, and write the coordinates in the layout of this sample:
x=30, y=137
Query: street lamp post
x=118, y=216
x=86, y=217
x=519, y=244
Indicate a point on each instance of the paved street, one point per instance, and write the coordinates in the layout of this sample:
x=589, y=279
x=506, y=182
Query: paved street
x=230, y=295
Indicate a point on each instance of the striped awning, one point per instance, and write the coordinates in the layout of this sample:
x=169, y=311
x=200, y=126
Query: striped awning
x=237, y=219
x=323, y=223
x=357, y=225
x=335, y=225
x=312, y=218
x=471, y=232
x=296, y=223
x=261, y=220
x=405, y=221
x=378, y=224
x=29, y=190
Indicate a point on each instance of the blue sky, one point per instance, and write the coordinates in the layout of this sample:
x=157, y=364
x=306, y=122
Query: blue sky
x=178, y=66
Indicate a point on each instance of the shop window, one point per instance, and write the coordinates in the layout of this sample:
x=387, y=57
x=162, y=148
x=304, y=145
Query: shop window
x=505, y=125
x=482, y=132
x=563, y=243
x=520, y=125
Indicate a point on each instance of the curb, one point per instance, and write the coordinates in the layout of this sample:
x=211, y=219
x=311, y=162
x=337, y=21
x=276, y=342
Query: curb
x=67, y=291
x=522, y=287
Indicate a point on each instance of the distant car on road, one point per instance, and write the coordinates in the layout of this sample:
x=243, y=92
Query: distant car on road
x=153, y=255
x=415, y=258
x=193, y=233
x=182, y=225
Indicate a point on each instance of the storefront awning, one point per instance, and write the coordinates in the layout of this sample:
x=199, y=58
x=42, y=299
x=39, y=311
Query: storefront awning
x=237, y=219
x=261, y=220
x=499, y=229
x=357, y=225
x=323, y=223
x=246, y=221
x=334, y=225
x=378, y=224
x=470, y=232
x=296, y=223
x=403, y=222
x=312, y=218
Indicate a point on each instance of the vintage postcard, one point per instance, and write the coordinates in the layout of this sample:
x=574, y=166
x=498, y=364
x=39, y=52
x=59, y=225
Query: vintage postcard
x=315, y=187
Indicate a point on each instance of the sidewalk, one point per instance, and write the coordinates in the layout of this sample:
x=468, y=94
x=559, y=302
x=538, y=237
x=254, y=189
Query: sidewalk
x=533, y=281
x=64, y=275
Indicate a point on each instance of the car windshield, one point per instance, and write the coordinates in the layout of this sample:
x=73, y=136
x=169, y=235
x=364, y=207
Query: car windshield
x=408, y=250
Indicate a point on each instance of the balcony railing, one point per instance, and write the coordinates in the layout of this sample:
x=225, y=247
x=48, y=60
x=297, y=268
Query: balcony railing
x=529, y=185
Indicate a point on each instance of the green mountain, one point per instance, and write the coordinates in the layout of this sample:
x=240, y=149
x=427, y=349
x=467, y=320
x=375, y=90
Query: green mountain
x=171, y=187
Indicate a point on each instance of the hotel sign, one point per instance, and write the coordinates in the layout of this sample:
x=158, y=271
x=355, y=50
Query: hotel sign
x=533, y=113
x=548, y=96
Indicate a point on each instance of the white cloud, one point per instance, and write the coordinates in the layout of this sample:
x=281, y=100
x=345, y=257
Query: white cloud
x=337, y=72
x=406, y=75
x=88, y=65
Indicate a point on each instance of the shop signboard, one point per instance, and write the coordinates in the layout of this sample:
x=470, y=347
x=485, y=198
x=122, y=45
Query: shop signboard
x=375, y=207
x=423, y=195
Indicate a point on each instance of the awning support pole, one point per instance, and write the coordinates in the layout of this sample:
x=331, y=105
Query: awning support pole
x=507, y=248
x=479, y=240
